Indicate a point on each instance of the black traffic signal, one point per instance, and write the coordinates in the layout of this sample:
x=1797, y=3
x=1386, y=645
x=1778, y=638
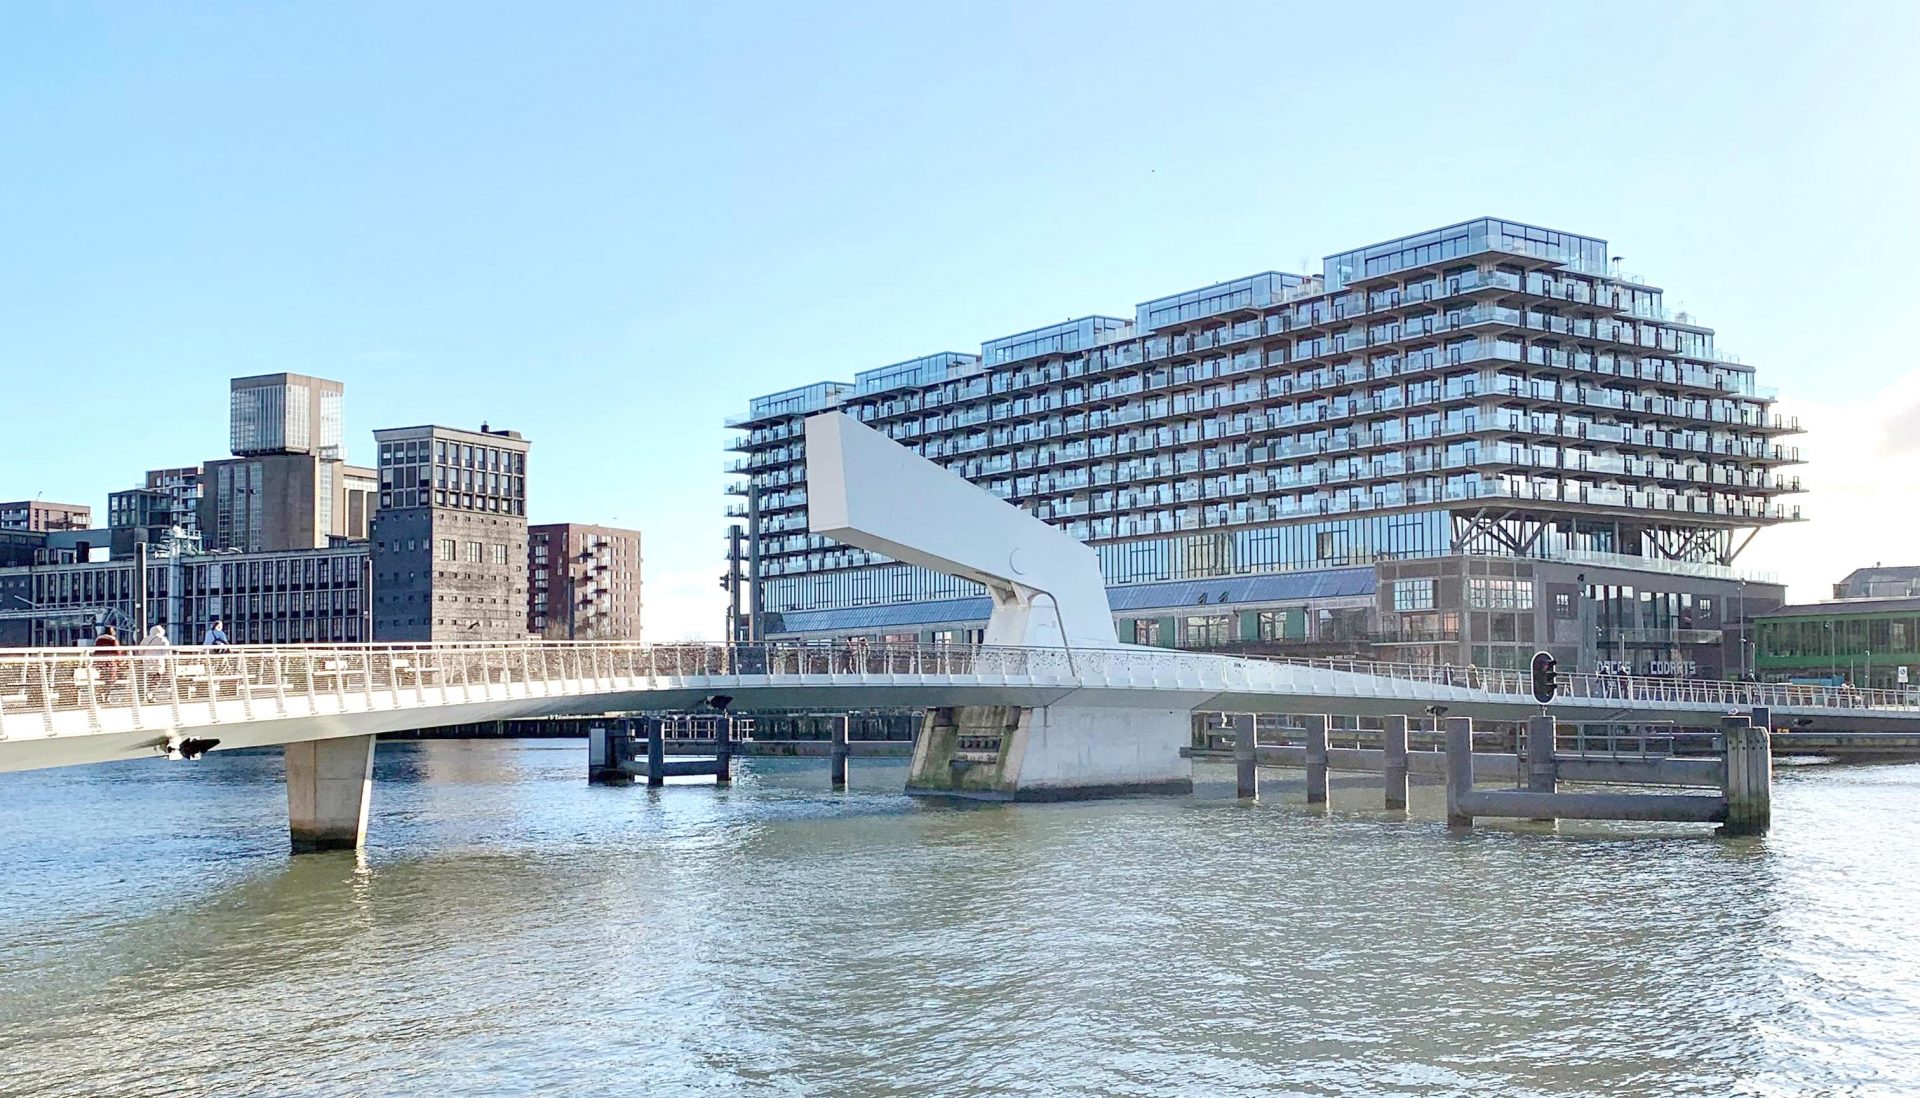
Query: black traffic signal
x=1545, y=682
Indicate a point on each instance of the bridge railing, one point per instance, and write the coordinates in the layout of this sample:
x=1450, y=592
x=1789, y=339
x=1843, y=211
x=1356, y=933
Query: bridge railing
x=262, y=679
x=1589, y=686
x=51, y=680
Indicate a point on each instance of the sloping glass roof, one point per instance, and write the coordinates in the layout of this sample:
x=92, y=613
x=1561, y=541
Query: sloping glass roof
x=1178, y=595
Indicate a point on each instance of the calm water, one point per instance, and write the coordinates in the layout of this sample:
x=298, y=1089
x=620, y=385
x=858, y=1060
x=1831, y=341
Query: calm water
x=513, y=931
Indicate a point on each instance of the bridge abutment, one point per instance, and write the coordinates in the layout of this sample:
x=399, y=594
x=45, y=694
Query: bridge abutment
x=329, y=788
x=1052, y=753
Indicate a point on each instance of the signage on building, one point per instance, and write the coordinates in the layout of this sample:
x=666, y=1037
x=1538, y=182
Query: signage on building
x=1683, y=668
x=1613, y=667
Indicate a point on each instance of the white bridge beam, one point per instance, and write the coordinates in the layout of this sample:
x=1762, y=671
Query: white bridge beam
x=865, y=490
x=869, y=492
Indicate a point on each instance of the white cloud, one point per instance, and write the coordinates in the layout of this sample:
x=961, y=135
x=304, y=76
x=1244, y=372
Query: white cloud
x=1859, y=505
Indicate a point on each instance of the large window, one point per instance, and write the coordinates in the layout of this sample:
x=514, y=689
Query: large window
x=1491, y=593
x=1210, y=631
x=1412, y=594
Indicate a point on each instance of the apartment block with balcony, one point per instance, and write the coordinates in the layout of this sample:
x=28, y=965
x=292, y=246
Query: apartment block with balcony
x=1493, y=407
x=583, y=582
x=183, y=485
x=36, y=514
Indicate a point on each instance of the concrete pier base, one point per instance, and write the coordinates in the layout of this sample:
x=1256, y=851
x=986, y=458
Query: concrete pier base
x=1009, y=753
x=329, y=787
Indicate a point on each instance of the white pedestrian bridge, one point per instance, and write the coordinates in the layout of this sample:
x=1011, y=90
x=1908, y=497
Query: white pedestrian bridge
x=1053, y=705
x=65, y=706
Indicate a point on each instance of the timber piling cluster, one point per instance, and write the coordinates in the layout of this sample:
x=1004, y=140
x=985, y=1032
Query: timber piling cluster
x=619, y=751
x=1738, y=773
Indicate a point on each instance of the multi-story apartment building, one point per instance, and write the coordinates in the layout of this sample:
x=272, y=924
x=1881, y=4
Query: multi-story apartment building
x=288, y=414
x=310, y=596
x=37, y=514
x=183, y=486
x=1457, y=446
x=583, y=582
x=139, y=515
x=450, y=535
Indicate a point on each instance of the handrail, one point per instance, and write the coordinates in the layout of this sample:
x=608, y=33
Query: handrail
x=142, y=688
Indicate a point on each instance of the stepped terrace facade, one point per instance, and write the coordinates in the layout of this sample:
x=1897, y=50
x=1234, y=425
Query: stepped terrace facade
x=1457, y=446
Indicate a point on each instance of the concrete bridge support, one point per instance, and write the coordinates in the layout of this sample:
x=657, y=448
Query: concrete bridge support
x=1011, y=753
x=329, y=787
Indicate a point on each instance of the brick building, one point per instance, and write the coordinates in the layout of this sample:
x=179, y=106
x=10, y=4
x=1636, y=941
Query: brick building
x=583, y=582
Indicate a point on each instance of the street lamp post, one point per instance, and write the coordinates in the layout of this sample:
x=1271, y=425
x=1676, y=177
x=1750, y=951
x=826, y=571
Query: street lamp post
x=1746, y=667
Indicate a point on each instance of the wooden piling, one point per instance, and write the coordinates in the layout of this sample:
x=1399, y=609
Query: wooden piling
x=1246, y=741
x=1748, y=784
x=1459, y=770
x=1394, y=739
x=656, y=751
x=723, y=749
x=1316, y=737
x=603, y=764
x=1542, y=773
x=838, y=777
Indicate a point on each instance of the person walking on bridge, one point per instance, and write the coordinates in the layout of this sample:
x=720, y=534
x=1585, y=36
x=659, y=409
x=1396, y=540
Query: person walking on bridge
x=216, y=635
x=110, y=663
x=152, y=668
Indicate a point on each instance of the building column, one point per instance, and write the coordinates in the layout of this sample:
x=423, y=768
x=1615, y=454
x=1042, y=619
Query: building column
x=329, y=786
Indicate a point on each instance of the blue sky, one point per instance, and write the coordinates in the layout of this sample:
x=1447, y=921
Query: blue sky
x=607, y=226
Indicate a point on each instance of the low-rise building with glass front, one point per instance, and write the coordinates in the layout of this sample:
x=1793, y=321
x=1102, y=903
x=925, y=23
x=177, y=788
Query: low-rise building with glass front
x=1864, y=642
x=1459, y=446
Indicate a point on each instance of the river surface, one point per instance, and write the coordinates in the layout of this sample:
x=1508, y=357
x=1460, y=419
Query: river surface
x=511, y=930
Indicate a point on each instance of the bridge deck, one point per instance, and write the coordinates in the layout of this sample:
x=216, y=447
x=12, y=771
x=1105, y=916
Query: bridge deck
x=63, y=706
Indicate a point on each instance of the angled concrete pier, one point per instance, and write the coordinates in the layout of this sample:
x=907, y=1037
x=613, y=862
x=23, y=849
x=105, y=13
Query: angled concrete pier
x=1051, y=753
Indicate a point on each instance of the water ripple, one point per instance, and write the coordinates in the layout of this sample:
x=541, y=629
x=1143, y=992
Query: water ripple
x=513, y=931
